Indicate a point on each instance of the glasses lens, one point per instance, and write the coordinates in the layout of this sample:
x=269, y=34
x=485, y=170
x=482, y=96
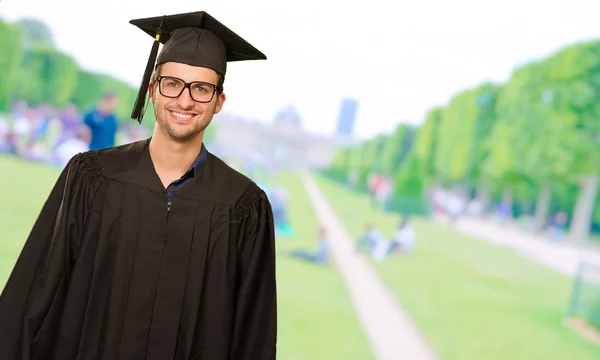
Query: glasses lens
x=201, y=92
x=171, y=87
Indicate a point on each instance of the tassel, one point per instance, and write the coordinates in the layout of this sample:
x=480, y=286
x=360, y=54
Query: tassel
x=139, y=107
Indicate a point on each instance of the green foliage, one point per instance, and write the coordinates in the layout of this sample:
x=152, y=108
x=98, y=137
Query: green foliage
x=355, y=157
x=340, y=164
x=426, y=142
x=540, y=127
x=10, y=58
x=462, y=138
x=46, y=75
x=395, y=148
x=34, y=32
x=88, y=89
x=32, y=69
x=210, y=132
x=409, y=180
x=126, y=95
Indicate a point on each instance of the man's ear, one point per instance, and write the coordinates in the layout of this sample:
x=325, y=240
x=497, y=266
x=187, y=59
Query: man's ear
x=151, y=92
x=220, y=101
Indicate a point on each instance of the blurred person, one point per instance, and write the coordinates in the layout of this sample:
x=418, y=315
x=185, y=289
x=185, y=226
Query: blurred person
x=321, y=255
x=41, y=123
x=155, y=249
x=103, y=123
x=23, y=126
x=4, y=127
x=404, y=238
x=504, y=211
x=70, y=147
x=19, y=107
x=7, y=145
x=456, y=206
x=36, y=151
x=70, y=120
x=369, y=240
x=402, y=242
x=559, y=225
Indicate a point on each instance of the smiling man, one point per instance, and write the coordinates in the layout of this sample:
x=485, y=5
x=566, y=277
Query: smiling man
x=156, y=249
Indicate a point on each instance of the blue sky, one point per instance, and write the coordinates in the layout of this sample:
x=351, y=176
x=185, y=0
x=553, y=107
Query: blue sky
x=398, y=58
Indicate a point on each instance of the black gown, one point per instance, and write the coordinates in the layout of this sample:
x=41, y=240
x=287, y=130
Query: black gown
x=110, y=272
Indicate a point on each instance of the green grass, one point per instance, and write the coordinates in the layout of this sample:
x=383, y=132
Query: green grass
x=25, y=186
x=471, y=300
x=316, y=318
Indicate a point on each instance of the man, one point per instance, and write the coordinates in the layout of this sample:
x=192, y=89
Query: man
x=404, y=238
x=77, y=143
x=103, y=123
x=321, y=255
x=156, y=249
x=369, y=239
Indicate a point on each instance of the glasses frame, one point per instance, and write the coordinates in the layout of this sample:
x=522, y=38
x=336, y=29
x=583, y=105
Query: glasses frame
x=187, y=85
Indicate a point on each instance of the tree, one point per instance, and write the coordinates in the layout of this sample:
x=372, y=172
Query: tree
x=10, y=59
x=392, y=150
x=34, y=32
x=340, y=164
x=463, y=134
x=541, y=135
x=426, y=142
x=46, y=75
x=88, y=89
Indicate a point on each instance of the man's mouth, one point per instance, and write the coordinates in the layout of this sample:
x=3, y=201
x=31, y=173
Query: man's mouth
x=181, y=115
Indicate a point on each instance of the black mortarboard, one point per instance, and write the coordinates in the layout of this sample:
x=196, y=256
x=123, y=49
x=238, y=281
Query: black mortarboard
x=195, y=39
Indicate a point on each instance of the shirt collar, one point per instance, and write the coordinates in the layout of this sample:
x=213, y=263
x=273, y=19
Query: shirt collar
x=197, y=164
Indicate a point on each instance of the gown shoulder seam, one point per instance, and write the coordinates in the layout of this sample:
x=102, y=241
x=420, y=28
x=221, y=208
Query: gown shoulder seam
x=249, y=198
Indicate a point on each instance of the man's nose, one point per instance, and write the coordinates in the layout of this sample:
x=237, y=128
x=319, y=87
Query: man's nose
x=185, y=99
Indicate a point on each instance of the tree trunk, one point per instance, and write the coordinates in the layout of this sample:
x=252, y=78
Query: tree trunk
x=542, y=207
x=584, y=208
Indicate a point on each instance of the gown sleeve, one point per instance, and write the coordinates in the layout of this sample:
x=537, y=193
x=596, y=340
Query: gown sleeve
x=32, y=299
x=255, y=321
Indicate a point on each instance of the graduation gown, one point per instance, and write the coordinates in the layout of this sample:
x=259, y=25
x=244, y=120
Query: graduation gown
x=110, y=271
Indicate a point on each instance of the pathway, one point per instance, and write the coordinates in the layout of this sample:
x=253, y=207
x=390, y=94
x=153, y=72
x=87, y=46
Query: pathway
x=392, y=334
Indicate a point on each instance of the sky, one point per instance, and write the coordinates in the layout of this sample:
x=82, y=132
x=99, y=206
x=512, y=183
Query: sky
x=397, y=58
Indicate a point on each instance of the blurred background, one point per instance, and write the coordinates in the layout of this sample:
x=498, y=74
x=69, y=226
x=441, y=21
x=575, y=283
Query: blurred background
x=449, y=150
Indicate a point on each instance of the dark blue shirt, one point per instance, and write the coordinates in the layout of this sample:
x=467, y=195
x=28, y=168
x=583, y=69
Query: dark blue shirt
x=187, y=177
x=103, y=129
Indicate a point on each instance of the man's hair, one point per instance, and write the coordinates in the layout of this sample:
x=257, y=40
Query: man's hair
x=157, y=74
x=109, y=95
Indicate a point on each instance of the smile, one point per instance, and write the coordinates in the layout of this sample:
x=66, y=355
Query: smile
x=180, y=115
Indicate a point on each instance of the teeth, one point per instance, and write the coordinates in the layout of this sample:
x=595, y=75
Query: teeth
x=184, y=116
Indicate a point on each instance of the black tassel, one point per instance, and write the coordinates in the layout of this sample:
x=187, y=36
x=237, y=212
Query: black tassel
x=139, y=107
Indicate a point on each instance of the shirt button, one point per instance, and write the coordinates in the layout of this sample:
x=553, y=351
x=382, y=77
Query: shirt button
x=171, y=188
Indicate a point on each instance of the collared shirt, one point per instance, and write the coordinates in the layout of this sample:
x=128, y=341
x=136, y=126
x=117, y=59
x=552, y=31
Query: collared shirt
x=189, y=174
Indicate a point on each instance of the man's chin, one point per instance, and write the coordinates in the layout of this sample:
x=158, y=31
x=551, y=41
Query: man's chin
x=183, y=136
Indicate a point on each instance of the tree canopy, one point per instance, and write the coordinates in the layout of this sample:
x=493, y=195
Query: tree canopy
x=34, y=70
x=536, y=137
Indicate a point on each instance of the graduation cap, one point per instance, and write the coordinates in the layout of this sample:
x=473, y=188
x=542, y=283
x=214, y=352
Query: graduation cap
x=195, y=39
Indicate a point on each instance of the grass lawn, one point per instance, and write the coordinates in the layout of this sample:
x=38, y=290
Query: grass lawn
x=25, y=187
x=316, y=318
x=470, y=299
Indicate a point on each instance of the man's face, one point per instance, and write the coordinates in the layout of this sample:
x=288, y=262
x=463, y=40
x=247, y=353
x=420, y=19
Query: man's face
x=182, y=118
x=108, y=104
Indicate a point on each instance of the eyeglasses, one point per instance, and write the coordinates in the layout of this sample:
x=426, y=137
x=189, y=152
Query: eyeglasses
x=173, y=87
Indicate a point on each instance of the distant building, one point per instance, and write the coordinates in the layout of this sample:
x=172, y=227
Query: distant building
x=347, y=118
x=283, y=142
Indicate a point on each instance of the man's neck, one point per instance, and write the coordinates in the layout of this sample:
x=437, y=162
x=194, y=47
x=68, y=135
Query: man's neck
x=172, y=159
